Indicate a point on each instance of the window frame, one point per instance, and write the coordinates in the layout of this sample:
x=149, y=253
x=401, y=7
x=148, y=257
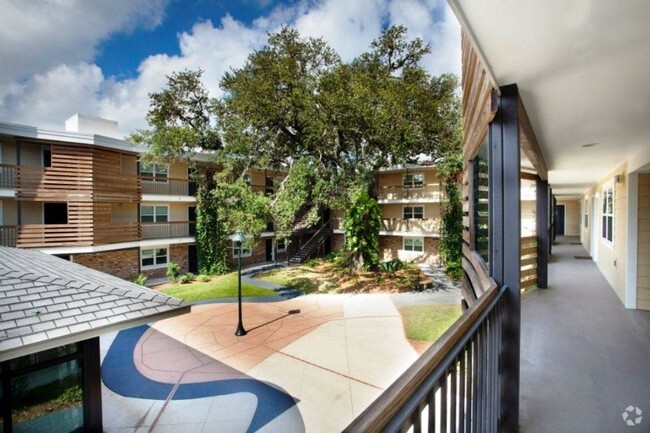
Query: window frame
x=154, y=173
x=277, y=245
x=155, y=256
x=608, y=211
x=413, y=213
x=155, y=213
x=410, y=184
x=247, y=250
x=412, y=241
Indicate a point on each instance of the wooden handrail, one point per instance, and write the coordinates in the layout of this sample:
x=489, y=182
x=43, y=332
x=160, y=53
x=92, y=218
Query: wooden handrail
x=395, y=397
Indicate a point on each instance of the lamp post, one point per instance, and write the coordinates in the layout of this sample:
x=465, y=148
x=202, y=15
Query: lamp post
x=239, y=239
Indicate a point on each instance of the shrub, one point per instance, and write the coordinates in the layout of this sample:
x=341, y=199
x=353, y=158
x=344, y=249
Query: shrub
x=312, y=263
x=203, y=278
x=186, y=278
x=454, y=270
x=173, y=271
x=391, y=266
x=141, y=279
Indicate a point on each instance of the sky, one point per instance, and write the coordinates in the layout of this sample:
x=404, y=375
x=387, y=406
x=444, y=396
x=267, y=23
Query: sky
x=104, y=57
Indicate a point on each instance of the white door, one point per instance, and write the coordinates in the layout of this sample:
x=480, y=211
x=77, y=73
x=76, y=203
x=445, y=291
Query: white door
x=595, y=228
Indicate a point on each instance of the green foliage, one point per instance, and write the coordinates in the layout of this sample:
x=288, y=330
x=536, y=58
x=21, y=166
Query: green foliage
x=211, y=240
x=391, y=266
x=428, y=322
x=451, y=237
x=362, y=223
x=187, y=278
x=312, y=263
x=224, y=287
x=173, y=271
x=203, y=278
x=141, y=279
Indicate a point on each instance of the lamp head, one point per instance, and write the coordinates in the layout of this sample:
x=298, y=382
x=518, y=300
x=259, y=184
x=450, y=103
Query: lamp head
x=238, y=237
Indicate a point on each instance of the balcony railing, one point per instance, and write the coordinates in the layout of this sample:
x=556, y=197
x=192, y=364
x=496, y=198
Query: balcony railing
x=454, y=386
x=8, y=236
x=7, y=176
x=168, y=186
x=399, y=192
x=428, y=225
x=166, y=230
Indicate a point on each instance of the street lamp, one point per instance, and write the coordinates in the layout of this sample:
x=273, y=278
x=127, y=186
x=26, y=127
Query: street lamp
x=239, y=239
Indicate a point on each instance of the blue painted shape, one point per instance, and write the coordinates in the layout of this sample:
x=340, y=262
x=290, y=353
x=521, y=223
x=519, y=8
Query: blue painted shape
x=121, y=376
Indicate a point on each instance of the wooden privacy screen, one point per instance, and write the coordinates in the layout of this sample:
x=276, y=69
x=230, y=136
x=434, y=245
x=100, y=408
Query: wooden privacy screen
x=479, y=99
x=88, y=180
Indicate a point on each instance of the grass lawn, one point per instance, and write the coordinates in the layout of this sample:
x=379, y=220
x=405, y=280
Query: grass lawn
x=224, y=286
x=428, y=322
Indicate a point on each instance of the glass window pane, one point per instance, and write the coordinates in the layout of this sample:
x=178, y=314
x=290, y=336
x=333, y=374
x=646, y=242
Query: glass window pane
x=610, y=224
x=418, y=212
x=49, y=399
x=418, y=180
x=146, y=169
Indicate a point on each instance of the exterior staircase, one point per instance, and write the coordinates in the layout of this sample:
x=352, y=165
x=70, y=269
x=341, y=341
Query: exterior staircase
x=310, y=247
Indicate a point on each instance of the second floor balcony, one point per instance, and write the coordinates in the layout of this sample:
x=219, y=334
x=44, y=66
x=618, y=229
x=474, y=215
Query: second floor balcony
x=402, y=194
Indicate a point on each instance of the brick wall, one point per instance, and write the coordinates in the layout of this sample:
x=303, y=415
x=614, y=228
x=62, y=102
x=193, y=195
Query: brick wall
x=176, y=253
x=259, y=254
x=391, y=247
x=120, y=263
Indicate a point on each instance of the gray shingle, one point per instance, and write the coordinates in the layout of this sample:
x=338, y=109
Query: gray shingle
x=12, y=315
x=17, y=332
x=34, y=338
x=43, y=326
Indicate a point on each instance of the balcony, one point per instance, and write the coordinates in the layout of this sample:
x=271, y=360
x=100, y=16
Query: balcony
x=400, y=194
x=400, y=225
x=168, y=186
x=168, y=230
x=7, y=176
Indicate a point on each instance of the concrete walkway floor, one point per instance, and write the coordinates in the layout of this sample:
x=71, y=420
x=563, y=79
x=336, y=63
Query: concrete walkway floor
x=584, y=357
x=309, y=364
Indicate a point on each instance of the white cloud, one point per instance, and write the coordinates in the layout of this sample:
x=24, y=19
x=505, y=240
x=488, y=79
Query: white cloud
x=45, y=91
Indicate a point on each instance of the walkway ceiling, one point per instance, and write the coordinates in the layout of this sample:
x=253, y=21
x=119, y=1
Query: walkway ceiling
x=582, y=70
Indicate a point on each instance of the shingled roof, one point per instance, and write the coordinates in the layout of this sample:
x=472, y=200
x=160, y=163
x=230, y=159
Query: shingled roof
x=46, y=302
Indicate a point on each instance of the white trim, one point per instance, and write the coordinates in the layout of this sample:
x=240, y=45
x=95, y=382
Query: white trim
x=154, y=206
x=413, y=213
x=632, y=240
x=279, y=250
x=7, y=192
x=606, y=187
x=395, y=233
x=408, y=173
x=594, y=238
x=415, y=238
x=409, y=200
x=155, y=265
x=118, y=246
x=244, y=248
x=1, y=213
x=173, y=198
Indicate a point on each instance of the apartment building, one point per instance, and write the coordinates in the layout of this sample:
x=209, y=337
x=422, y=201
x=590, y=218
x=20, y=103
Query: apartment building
x=83, y=194
x=409, y=196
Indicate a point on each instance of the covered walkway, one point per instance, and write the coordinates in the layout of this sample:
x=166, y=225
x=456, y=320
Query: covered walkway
x=584, y=357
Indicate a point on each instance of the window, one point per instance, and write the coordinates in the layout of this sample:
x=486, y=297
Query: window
x=414, y=244
x=413, y=180
x=586, y=213
x=608, y=213
x=153, y=257
x=55, y=213
x=154, y=214
x=411, y=212
x=155, y=172
x=245, y=250
x=47, y=158
x=247, y=179
x=480, y=197
x=281, y=245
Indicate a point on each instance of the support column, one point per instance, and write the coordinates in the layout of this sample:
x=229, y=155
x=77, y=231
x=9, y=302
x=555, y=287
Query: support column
x=505, y=244
x=92, y=384
x=542, y=229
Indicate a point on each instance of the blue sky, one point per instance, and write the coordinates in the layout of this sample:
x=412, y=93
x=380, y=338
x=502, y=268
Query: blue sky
x=103, y=57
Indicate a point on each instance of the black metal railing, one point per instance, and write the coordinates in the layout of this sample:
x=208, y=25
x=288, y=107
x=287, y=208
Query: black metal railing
x=8, y=236
x=167, y=186
x=454, y=386
x=7, y=176
x=167, y=230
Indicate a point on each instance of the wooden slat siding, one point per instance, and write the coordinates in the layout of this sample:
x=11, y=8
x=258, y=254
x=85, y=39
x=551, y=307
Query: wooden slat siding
x=479, y=101
x=109, y=184
x=528, y=262
x=529, y=144
x=528, y=176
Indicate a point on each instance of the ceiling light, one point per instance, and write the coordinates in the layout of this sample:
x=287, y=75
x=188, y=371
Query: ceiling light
x=590, y=144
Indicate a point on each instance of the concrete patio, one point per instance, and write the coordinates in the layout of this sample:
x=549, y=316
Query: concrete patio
x=310, y=364
x=584, y=357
